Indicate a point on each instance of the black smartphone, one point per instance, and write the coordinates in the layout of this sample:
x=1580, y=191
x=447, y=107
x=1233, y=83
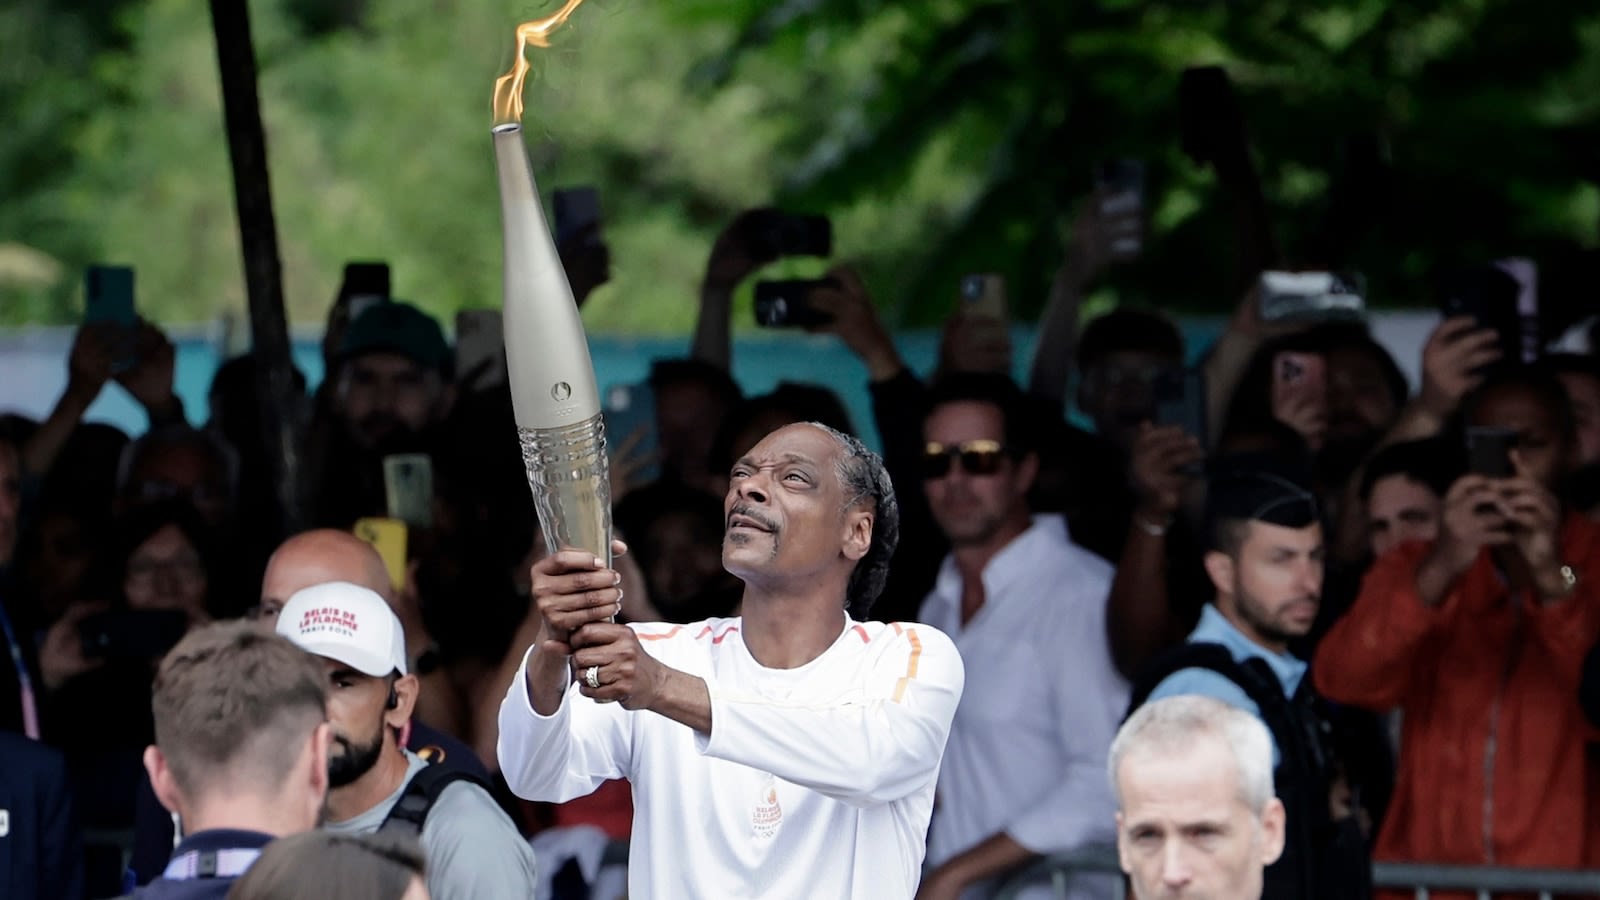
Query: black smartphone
x=108, y=300
x=1208, y=112
x=365, y=285
x=1489, y=451
x=132, y=634
x=787, y=304
x=1180, y=399
x=1493, y=297
x=574, y=210
x=794, y=234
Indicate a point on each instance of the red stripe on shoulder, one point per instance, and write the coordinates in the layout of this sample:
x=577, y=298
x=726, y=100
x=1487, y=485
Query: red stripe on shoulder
x=662, y=636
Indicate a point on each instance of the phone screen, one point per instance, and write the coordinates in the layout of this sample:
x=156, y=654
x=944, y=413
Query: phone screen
x=1180, y=398
x=480, y=349
x=630, y=417
x=408, y=488
x=1489, y=451
x=108, y=301
x=984, y=295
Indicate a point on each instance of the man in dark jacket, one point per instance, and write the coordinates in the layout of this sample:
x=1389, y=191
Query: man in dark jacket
x=41, y=852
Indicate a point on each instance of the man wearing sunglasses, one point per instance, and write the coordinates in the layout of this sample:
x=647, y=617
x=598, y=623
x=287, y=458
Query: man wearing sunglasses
x=1023, y=771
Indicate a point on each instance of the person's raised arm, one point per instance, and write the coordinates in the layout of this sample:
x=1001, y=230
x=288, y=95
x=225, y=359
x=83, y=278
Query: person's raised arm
x=150, y=380
x=1089, y=251
x=738, y=252
x=89, y=365
x=1452, y=362
x=548, y=750
x=1139, y=619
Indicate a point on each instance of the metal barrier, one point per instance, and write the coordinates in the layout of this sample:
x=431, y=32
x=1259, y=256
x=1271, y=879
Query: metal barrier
x=1485, y=881
x=1419, y=878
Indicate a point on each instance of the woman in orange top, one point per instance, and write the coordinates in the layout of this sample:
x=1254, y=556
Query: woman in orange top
x=1479, y=638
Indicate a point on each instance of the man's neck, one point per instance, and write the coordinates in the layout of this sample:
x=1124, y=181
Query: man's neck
x=369, y=790
x=1229, y=611
x=972, y=559
x=239, y=811
x=785, y=629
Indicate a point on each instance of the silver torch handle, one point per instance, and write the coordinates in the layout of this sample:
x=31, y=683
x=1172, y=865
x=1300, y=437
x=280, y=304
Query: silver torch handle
x=570, y=476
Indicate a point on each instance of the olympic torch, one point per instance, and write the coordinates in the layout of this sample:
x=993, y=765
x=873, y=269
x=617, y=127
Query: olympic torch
x=553, y=391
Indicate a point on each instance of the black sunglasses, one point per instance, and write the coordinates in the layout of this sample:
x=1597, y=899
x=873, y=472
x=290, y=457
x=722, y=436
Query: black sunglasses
x=981, y=457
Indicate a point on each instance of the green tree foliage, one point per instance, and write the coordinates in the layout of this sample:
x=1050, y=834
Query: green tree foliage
x=942, y=136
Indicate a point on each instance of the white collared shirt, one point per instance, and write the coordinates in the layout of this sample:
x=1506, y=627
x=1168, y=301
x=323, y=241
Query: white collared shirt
x=1027, y=752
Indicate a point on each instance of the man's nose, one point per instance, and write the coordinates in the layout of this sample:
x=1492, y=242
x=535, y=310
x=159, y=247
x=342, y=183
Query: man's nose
x=752, y=487
x=1175, y=868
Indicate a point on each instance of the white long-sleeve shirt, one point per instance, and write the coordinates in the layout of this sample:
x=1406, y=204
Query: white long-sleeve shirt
x=814, y=782
x=1027, y=752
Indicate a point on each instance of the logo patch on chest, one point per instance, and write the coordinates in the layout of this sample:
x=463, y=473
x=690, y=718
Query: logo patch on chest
x=767, y=815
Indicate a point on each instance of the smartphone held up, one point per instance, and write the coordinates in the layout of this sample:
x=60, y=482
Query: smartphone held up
x=108, y=303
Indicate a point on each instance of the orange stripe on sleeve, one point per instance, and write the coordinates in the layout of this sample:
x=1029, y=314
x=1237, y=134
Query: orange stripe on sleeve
x=663, y=635
x=911, y=664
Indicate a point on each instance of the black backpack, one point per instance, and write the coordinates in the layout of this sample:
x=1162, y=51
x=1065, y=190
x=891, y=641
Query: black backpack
x=422, y=791
x=1322, y=859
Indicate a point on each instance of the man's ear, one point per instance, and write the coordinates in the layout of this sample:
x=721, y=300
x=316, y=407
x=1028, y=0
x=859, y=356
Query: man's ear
x=405, y=692
x=319, y=748
x=858, y=522
x=1272, y=831
x=1027, y=472
x=166, y=787
x=1220, y=567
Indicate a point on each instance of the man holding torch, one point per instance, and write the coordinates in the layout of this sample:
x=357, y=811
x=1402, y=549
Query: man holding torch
x=792, y=752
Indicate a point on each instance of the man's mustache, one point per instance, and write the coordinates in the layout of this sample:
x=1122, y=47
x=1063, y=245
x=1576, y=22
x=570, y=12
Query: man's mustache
x=746, y=512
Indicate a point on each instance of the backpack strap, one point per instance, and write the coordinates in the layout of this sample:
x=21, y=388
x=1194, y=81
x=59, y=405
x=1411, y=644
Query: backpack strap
x=422, y=791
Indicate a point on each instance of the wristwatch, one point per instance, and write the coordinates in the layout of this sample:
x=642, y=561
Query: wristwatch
x=1569, y=579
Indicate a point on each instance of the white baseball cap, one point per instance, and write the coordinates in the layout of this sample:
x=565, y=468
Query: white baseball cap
x=348, y=623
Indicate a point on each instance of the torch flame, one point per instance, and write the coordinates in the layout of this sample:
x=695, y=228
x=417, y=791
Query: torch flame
x=508, y=87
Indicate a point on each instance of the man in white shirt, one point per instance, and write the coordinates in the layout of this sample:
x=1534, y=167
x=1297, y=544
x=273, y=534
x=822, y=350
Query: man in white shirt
x=791, y=752
x=1024, y=770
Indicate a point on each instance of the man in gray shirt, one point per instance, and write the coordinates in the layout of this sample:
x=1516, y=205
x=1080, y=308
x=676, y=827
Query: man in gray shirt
x=473, y=850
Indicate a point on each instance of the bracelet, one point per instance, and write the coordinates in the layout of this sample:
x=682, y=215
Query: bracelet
x=1151, y=528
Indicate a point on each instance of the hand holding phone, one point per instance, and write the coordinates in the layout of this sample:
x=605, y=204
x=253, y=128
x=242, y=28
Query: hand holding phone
x=787, y=304
x=1180, y=400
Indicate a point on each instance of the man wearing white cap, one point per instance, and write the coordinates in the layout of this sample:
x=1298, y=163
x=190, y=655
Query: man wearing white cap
x=472, y=848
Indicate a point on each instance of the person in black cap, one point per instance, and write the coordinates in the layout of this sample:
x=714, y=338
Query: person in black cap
x=1266, y=563
x=393, y=374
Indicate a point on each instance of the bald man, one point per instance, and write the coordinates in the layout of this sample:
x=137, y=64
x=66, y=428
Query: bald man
x=318, y=557
x=306, y=560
